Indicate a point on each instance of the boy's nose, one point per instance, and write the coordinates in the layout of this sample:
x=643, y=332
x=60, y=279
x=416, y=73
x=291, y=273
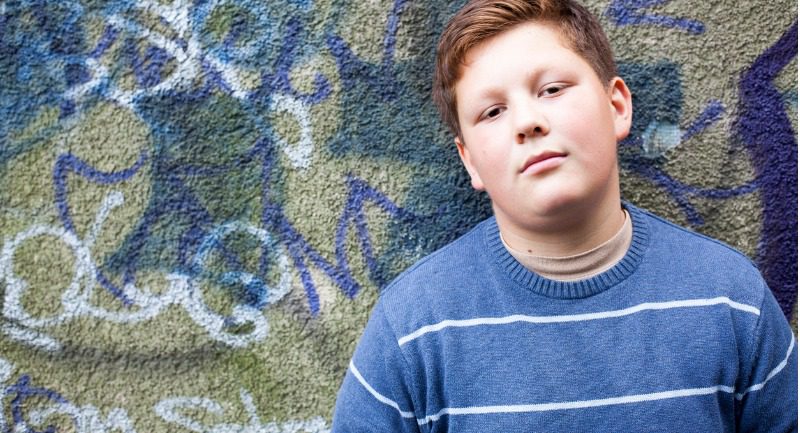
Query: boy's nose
x=531, y=122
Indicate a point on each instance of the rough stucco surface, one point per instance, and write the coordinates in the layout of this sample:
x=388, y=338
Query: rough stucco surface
x=200, y=201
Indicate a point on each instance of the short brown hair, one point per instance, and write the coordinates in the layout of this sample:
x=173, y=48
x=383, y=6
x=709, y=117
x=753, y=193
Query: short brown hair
x=480, y=20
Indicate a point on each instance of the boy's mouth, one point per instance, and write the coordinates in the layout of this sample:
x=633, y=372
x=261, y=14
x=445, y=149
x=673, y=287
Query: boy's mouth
x=542, y=162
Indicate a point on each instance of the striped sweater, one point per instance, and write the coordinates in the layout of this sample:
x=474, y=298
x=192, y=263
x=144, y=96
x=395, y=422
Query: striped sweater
x=682, y=335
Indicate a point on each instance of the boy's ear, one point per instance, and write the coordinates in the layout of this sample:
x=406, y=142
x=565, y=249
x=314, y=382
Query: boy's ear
x=466, y=159
x=622, y=107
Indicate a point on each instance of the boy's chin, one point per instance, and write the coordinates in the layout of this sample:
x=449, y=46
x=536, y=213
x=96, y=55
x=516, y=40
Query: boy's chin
x=556, y=204
x=548, y=211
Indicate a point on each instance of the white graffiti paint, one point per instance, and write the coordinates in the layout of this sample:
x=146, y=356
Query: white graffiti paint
x=86, y=419
x=187, y=56
x=89, y=419
x=231, y=75
x=99, y=74
x=660, y=137
x=299, y=153
x=170, y=410
x=189, y=59
x=30, y=337
x=76, y=301
x=6, y=370
x=274, y=294
x=110, y=201
x=73, y=298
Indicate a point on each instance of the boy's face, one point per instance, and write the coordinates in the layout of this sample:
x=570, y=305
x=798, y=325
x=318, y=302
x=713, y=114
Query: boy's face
x=539, y=130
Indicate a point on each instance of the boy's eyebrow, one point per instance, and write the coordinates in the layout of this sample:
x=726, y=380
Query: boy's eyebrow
x=488, y=93
x=494, y=92
x=474, y=104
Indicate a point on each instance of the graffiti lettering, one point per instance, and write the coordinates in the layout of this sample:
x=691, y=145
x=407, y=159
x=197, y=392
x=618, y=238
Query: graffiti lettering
x=170, y=410
x=300, y=153
x=630, y=12
x=76, y=299
x=89, y=419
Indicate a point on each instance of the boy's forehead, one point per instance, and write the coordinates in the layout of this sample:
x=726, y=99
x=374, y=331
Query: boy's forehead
x=480, y=48
x=547, y=26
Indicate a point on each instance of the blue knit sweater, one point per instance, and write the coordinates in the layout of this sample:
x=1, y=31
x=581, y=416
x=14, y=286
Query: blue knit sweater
x=682, y=335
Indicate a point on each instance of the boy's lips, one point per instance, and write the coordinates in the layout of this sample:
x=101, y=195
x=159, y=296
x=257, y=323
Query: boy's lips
x=542, y=162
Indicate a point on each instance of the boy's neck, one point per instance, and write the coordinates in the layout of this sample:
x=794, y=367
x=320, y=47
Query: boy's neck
x=563, y=236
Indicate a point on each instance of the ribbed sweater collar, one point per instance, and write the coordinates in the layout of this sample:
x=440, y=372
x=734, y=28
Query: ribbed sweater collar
x=571, y=289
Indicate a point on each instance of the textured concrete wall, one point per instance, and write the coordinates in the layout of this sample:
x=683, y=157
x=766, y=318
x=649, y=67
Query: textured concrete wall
x=199, y=201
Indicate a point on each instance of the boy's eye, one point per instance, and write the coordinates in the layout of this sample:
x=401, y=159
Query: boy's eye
x=551, y=90
x=492, y=112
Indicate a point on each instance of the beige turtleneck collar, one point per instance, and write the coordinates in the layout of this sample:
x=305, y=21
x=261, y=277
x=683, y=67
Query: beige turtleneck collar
x=583, y=265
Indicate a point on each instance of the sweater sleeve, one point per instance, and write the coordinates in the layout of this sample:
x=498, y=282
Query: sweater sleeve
x=375, y=394
x=768, y=403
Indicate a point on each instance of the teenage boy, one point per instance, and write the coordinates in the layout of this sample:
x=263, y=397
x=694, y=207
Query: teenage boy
x=568, y=310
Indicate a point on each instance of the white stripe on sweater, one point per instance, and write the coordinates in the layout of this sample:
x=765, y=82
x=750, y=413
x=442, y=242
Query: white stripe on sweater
x=380, y=397
x=647, y=306
x=581, y=404
x=771, y=374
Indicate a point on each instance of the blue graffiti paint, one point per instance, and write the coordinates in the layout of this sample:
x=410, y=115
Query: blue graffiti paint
x=360, y=194
x=678, y=191
x=275, y=78
x=237, y=30
x=301, y=251
x=712, y=113
x=172, y=203
x=305, y=4
x=76, y=73
x=68, y=163
x=46, y=58
x=658, y=96
x=279, y=80
x=253, y=292
x=630, y=12
x=390, y=38
x=33, y=74
x=147, y=68
x=353, y=70
x=180, y=200
x=68, y=108
x=182, y=206
x=767, y=133
x=252, y=35
x=60, y=23
x=790, y=99
x=657, y=93
x=174, y=196
x=375, y=123
x=176, y=220
x=23, y=391
x=107, y=39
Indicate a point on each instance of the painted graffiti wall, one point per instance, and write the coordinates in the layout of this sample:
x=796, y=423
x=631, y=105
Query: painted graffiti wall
x=201, y=200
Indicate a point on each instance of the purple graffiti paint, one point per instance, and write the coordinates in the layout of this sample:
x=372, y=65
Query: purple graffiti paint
x=767, y=133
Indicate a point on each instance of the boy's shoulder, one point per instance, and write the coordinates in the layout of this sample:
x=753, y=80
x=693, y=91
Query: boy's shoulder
x=704, y=263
